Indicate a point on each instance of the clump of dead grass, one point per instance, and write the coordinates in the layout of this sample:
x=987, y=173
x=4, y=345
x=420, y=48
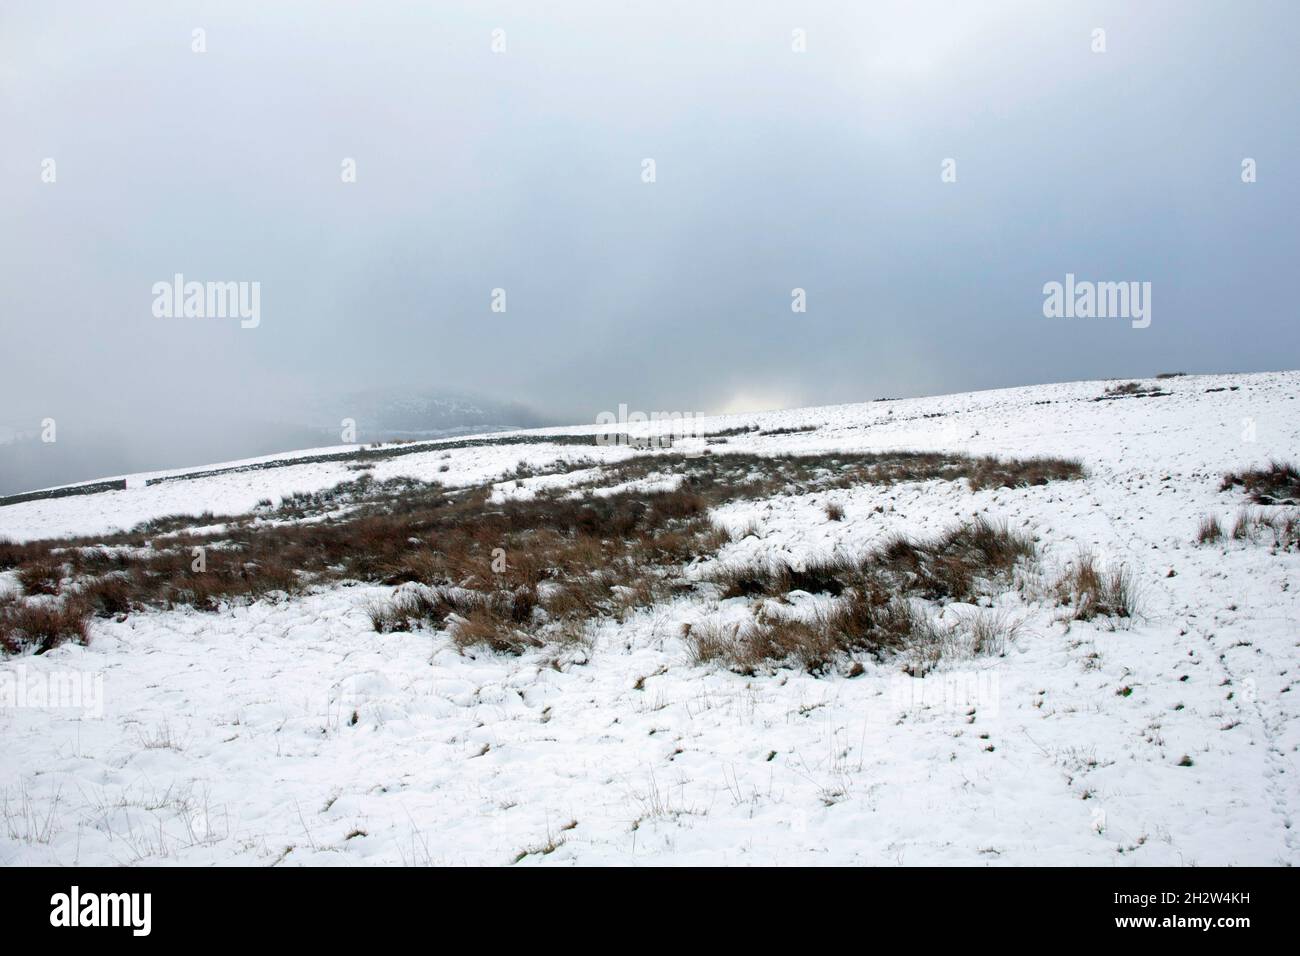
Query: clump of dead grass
x=1209, y=530
x=950, y=566
x=42, y=626
x=1280, y=529
x=1130, y=390
x=1277, y=484
x=874, y=607
x=1093, y=591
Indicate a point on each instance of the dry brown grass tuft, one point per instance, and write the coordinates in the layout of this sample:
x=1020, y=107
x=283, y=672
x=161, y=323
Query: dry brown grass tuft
x=750, y=646
x=1209, y=530
x=1279, y=530
x=488, y=627
x=108, y=596
x=872, y=610
x=43, y=625
x=857, y=623
x=41, y=576
x=1096, y=592
x=1279, y=483
x=13, y=555
x=952, y=566
x=1130, y=390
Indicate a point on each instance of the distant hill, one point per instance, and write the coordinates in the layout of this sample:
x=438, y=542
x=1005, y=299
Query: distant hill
x=388, y=414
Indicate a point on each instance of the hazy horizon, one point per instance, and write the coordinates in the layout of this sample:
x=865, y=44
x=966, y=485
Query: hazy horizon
x=28, y=462
x=381, y=170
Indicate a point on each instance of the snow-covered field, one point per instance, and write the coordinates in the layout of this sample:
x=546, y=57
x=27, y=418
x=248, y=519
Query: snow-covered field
x=231, y=737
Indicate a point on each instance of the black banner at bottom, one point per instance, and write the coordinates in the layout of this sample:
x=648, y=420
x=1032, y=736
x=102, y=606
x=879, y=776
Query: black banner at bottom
x=215, y=905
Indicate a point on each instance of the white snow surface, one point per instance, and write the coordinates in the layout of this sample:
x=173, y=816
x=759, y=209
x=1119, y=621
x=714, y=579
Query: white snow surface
x=288, y=732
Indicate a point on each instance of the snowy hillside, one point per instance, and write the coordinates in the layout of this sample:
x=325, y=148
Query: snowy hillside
x=286, y=730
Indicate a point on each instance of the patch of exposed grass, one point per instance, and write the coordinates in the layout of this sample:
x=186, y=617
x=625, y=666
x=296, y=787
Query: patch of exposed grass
x=108, y=596
x=41, y=626
x=731, y=477
x=1209, y=530
x=506, y=574
x=1278, y=484
x=874, y=608
x=41, y=576
x=950, y=566
x=1093, y=591
x=1130, y=390
x=1280, y=530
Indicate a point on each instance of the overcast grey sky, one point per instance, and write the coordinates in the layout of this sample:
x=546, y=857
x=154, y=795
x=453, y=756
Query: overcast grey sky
x=522, y=170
